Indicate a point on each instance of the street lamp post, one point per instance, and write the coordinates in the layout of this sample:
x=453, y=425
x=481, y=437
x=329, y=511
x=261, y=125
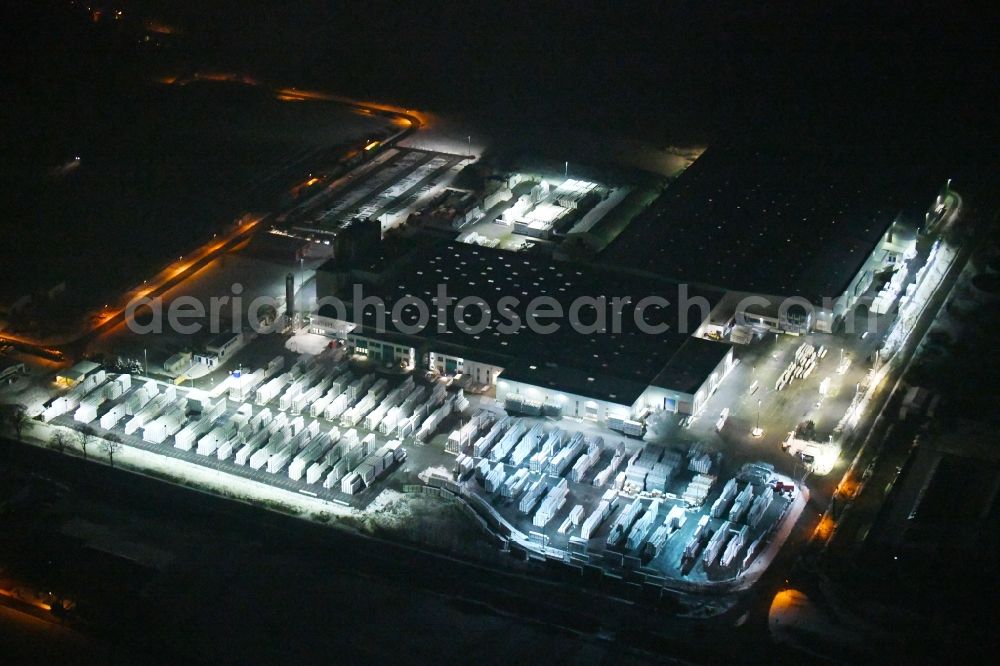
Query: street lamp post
x=145, y=362
x=757, y=432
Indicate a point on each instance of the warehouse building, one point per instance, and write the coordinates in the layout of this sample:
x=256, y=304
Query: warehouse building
x=789, y=229
x=594, y=370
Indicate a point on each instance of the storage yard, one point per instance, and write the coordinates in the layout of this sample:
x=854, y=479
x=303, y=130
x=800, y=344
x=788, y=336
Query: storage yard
x=326, y=427
x=314, y=427
x=621, y=503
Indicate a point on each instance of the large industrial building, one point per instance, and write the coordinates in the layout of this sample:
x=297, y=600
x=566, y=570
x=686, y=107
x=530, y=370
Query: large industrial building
x=594, y=371
x=815, y=227
x=761, y=243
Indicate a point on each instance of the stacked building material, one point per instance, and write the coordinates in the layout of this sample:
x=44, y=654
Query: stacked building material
x=245, y=385
x=87, y=411
x=518, y=404
x=657, y=540
x=734, y=546
x=260, y=420
x=752, y=551
x=304, y=402
x=252, y=446
x=514, y=483
x=267, y=392
x=340, y=384
x=316, y=471
x=495, y=478
x=461, y=403
x=760, y=506
x=312, y=452
x=508, y=440
x=117, y=387
x=275, y=444
x=463, y=465
x=741, y=504
x=461, y=438
x=641, y=464
x=572, y=520
x=165, y=425
x=553, y=501
x=297, y=424
x=698, y=489
x=277, y=461
x=721, y=505
x=626, y=426
x=484, y=443
x=226, y=448
x=431, y=423
x=336, y=474
x=336, y=407
x=566, y=455
x=527, y=444
x=643, y=526
x=695, y=540
x=215, y=410
x=387, y=425
x=482, y=469
x=274, y=366
x=604, y=508
x=359, y=387
x=716, y=544
x=616, y=460
x=378, y=388
x=701, y=463
x=540, y=460
x=211, y=440
x=351, y=484
x=531, y=498
x=318, y=407
x=623, y=523
x=111, y=417
x=152, y=409
x=675, y=519
x=587, y=460
x=354, y=415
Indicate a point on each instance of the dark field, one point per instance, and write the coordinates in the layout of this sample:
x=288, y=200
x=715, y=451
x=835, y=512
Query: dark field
x=160, y=170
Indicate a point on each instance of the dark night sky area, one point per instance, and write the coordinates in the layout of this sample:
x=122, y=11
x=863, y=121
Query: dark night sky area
x=905, y=77
x=666, y=71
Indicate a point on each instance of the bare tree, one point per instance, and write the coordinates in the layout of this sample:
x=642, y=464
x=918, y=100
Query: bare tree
x=85, y=436
x=112, y=444
x=16, y=416
x=59, y=441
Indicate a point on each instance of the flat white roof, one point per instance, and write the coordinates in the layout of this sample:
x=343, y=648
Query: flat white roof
x=543, y=215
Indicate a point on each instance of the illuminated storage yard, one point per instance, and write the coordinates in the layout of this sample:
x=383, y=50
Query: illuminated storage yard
x=622, y=438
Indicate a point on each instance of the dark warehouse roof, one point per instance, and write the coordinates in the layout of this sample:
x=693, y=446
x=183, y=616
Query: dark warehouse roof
x=620, y=363
x=784, y=222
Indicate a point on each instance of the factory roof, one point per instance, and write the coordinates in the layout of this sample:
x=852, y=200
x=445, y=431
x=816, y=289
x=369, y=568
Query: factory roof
x=578, y=382
x=789, y=223
x=618, y=360
x=691, y=365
